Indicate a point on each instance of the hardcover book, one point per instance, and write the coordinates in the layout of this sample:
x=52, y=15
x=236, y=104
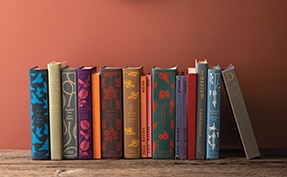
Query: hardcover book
x=163, y=102
x=213, y=112
x=131, y=111
x=191, y=120
x=240, y=112
x=96, y=119
x=149, y=115
x=143, y=95
x=55, y=108
x=111, y=112
x=84, y=88
x=39, y=113
x=178, y=115
x=201, y=70
x=70, y=116
x=183, y=132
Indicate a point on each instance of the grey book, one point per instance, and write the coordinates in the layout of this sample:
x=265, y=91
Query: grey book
x=240, y=112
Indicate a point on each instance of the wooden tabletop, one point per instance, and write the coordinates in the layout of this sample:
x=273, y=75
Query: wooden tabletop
x=16, y=163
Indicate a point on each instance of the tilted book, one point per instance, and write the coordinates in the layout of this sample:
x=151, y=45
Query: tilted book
x=143, y=110
x=84, y=89
x=178, y=115
x=39, y=113
x=131, y=111
x=163, y=101
x=149, y=115
x=183, y=132
x=191, y=119
x=70, y=116
x=111, y=112
x=201, y=70
x=96, y=119
x=55, y=108
x=213, y=112
x=240, y=112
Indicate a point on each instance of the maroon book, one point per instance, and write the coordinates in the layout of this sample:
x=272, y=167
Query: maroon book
x=111, y=112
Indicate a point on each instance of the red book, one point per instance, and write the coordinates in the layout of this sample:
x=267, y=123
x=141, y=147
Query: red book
x=143, y=111
x=149, y=116
x=191, y=119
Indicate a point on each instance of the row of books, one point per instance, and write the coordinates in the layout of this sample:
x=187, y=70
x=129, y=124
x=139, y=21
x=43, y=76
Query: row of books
x=121, y=112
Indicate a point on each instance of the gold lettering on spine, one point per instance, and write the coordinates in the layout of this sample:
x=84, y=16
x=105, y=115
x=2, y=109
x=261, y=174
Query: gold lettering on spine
x=229, y=76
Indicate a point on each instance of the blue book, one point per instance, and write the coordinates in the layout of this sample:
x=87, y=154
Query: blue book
x=39, y=113
x=213, y=112
x=183, y=133
x=178, y=115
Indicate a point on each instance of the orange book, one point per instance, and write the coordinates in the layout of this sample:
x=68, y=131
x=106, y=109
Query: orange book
x=96, y=115
x=143, y=95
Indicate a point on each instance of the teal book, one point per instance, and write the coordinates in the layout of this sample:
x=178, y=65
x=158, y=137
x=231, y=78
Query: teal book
x=39, y=113
x=163, y=102
x=213, y=112
x=201, y=70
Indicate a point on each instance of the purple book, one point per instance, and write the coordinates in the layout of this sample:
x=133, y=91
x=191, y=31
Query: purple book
x=85, y=112
x=183, y=154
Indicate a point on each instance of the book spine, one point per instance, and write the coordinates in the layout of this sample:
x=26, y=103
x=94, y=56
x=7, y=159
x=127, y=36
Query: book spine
x=111, y=113
x=240, y=112
x=70, y=116
x=163, y=99
x=178, y=116
x=149, y=115
x=84, y=84
x=201, y=69
x=55, y=108
x=184, y=118
x=213, y=113
x=39, y=114
x=131, y=112
x=96, y=119
x=143, y=95
x=191, y=120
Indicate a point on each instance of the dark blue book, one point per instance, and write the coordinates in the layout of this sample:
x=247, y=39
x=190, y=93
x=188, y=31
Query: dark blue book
x=178, y=115
x=39, y=113
x=183, y=132
x=213, y=112
x=84, y=89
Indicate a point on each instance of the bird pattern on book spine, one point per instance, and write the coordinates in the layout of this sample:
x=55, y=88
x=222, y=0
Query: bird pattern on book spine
x=39, y=113
x=111, y=113
x=163, y=80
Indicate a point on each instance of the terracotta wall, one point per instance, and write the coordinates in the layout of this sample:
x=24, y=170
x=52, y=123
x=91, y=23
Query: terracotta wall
x=249, y=34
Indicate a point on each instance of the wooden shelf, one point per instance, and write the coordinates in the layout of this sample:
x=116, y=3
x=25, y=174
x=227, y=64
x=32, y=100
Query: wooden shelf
x=273, y=162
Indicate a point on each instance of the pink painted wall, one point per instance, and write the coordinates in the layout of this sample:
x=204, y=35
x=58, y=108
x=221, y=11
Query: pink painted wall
x=249, y=34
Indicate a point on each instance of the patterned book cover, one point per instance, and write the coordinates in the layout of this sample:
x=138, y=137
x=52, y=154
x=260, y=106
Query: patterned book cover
x=183, y=133
x=163, y=101
x=213, y=112
x=84, y=89
x=191, y=119
x=55, y=108
x=131, y=111
x=96, y=119
x=70, y=116
x=178, y=115
x=111, y=112
x=39, y=113
x=143, y=95
x=240, y=112
x=201, y=70
x=149, y=115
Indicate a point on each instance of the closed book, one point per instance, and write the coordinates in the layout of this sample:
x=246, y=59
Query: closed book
x=191, y=119
x=96, y=119
x=178, y=115
x=201, y=70
x=143, y=110
x=183, y=132
x=163, y=101
x=84, y=88
x=55, y=108
x=240, y=112
x=70, y=116
x=131, y=111
x=149, y=115
x=213, y=112
x=111, y=112
x=39, y=113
